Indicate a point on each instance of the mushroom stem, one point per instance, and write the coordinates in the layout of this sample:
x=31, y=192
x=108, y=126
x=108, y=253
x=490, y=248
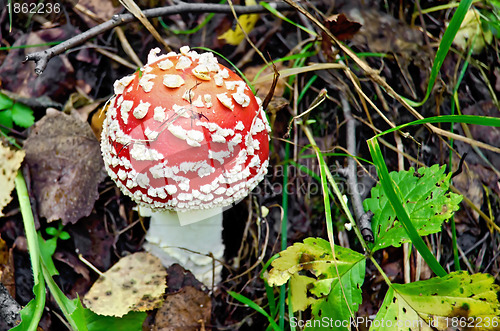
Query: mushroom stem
x=192, y=239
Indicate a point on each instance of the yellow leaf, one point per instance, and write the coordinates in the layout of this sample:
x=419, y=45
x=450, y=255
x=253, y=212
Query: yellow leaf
x=10, y=161
x=471, y=30
x=137, y=282
x=236, y=36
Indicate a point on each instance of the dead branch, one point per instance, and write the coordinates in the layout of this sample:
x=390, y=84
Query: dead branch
x=42, y=58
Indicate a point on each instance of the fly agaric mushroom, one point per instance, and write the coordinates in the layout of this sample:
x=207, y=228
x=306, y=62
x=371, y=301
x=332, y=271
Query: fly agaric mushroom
x=185, y=134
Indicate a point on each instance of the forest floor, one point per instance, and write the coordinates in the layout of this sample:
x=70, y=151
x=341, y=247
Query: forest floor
x=321, y=90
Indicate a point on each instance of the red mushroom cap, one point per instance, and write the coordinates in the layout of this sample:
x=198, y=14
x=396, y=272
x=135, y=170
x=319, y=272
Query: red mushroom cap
x=185, y=133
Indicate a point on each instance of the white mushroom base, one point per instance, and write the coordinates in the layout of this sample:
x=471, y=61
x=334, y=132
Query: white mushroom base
x=187, y=238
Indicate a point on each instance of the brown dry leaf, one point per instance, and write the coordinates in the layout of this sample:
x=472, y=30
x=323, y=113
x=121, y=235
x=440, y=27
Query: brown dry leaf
x=341, y=27
x=7, y=268
x=186, y=310
x=135, y=283
x=10, y=162
x=66, y=167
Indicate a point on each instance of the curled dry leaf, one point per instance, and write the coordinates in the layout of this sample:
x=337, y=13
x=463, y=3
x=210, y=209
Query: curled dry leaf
x=137, y=282
x=341, y=27
x=10, y=161
x=66, y=166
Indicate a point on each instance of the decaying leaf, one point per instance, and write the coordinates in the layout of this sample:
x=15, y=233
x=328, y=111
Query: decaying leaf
x=187, y=310
x=236, y=36
x=135, y=283
x=316, y=278
x=456, y=300
x=10, y=161
x=7, y=268
x=66, y=166
x=471, y=31
x=341, y=27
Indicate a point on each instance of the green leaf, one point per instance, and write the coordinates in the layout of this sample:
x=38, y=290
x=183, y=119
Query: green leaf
x=72, y=309
x=64, y=235
x=129, y=322
x=6, y=118
x=426, y=200
x=22, y=115
x=314, y=279
x=32, y=312
x=444, y=47
x=243, y=299
x=5, y=102
x=441, y=302
x=51, y=231
x=47, y=249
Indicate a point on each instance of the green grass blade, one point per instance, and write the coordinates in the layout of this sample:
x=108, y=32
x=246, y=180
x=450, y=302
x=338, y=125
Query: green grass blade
x=243, y=299
x=284, y=18
x=8, y=48
x=403, y=217
x=284, y=234
x=469, y=119
x=444, y=47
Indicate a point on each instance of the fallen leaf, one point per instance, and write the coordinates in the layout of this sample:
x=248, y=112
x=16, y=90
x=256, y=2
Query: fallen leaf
x=7, y=268
x=10, y=161
x=135, y=283
x=341, y=27
x=471, y=31
x=247, y=22
x=66, y=167
x=187, y=310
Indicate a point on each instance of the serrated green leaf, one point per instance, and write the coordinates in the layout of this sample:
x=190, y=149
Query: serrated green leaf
x=314, y=279
x=22, y=115
x=5, y=102
x=426, y=199
x=441, y=302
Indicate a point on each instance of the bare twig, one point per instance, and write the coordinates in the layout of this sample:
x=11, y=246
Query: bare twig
x=42, y=58
x=351, y=174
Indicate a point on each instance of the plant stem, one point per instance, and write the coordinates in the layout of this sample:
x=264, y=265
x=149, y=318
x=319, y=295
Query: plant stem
x=32, y=241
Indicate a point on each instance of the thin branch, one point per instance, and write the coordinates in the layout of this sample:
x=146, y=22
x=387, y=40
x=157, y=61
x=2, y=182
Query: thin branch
x=42, y=58
x=351, y=174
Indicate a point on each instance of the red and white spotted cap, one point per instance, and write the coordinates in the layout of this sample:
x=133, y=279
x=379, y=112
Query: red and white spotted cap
x=184, y=133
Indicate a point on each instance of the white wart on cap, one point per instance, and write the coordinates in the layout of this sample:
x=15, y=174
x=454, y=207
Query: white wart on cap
x=185, y=132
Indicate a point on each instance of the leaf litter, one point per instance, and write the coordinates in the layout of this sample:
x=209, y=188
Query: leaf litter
x=65, y=161
x=136, y=282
